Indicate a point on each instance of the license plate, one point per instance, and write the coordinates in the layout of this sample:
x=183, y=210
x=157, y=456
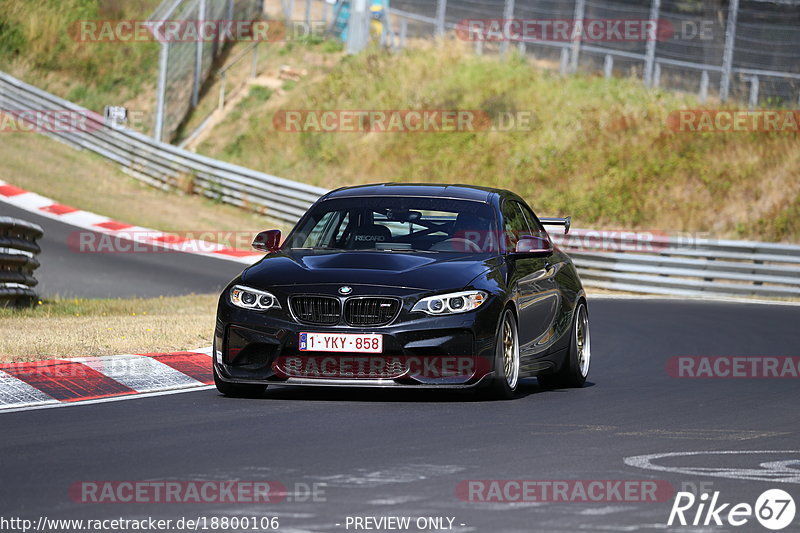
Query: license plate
x=341, y=342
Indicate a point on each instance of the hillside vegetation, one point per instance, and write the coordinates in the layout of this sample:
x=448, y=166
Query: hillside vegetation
x=37, y=46
x=598, y=149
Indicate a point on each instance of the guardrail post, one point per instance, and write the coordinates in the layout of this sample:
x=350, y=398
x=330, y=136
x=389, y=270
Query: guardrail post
x=403, y=32
x=564, y=66
x=441, y=9
x=657, y=75
x=161, y=104
x=753, y=92
x=478, y=41
x=254, y=65
x=508, y=14
x=703, y=86
x=221, y=103
x=727, y=54
x=650, y=50
x=577, y=35
x=608, y=66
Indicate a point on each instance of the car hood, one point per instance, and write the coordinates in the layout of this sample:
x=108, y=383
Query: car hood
x=418, y=270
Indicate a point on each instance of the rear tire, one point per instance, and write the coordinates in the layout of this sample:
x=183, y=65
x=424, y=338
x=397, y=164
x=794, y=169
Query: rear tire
x=237, y=390
x=576, y=367
x=506, y=359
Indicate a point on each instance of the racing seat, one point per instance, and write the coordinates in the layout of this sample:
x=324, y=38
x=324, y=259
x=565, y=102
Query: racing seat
x=469, y=232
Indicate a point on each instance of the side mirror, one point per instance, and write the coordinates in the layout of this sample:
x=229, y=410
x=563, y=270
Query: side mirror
x=268, y=241
x=534, y=244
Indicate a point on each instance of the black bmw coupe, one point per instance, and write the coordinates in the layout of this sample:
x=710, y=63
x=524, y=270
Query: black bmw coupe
x=406, y=285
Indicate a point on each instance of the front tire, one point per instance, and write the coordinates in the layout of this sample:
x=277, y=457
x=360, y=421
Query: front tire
x=576, y=367
x=237, y=390
x=506, y=359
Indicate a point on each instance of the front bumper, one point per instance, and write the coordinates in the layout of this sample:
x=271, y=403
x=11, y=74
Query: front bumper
x=455, y=351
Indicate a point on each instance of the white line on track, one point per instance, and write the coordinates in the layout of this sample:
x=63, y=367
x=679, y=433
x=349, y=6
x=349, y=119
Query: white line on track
x=107, y=400
x=772, y=471
x=699, y=299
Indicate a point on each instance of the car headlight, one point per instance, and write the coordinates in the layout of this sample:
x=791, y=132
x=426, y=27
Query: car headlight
x=248, y=298
x=454, y=302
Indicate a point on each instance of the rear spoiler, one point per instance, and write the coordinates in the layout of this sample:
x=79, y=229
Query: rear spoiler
x=557, y=222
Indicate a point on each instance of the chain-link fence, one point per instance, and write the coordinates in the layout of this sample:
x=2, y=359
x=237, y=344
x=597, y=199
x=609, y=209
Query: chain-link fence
x=745, y=49
x=184, y=65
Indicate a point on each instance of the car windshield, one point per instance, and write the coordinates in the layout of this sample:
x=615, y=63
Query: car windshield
x=398, y=223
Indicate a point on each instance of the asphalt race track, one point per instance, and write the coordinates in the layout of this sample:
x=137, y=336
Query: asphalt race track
x=403, y=453
x=68, y=273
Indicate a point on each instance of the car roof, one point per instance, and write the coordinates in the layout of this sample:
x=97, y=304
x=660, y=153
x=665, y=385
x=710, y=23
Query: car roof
x=465, y=192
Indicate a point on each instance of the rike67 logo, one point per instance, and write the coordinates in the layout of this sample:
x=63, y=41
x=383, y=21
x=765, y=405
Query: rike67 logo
x=774, y=509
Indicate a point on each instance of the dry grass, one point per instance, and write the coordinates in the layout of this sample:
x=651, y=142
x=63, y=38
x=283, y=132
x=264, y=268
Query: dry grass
x=74, y=328
x=599, y=149
x=86, y=181
x=37, y=44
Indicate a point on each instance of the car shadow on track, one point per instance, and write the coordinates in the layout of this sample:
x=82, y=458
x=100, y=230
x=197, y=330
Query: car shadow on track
x=527, y=387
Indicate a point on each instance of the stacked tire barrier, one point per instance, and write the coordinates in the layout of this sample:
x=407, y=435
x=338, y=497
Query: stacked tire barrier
x=18, y=251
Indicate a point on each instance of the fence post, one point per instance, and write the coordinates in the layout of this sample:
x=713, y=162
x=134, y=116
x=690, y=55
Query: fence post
x=608, y=66
x=657, y=75
x=254, y=66
x=441, y=9
x=221, y=103
x=727, y=55
x=650, y=50
x=577, y=35
x=308, y=13
x=564, y=66
x=357, y=27
x=403, y=32
x=508, y=14
x=704, y=86
x=198, y=67
x=161, y=105
x=753, y=92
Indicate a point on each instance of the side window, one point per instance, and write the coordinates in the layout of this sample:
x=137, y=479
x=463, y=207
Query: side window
x=314, y=236
x=514, y=224
x=533, y=222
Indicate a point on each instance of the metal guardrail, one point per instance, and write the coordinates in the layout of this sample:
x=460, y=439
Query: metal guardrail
x=164, y=165
x=18, y=250
x=658, y=264
x=677, y=265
